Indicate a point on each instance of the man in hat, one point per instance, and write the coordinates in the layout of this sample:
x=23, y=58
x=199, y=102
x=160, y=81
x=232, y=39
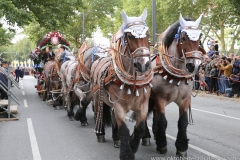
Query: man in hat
x=62, y=53
x=17, y=73
x=51, y=54
x=3, y=78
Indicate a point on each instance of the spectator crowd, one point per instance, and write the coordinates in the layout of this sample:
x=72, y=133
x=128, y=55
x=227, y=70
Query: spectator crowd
x=219, y=74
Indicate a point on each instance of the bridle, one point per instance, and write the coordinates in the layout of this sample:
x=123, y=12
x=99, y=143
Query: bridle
x=194, y=57
x=125, y=47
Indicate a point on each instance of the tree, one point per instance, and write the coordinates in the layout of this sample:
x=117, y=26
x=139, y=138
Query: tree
x=218, y=16
x=5, y=36
x=22, y=49
x=49, y=14
x=236, y=5
x=95, y=13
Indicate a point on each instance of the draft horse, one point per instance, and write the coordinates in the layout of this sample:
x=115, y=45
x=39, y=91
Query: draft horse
x=179, y=59
x=76, y=83
x=51, y=78
x=122, y=82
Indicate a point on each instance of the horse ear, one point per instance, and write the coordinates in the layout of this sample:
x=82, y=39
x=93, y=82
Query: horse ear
x=124, y=17
x=182, y=21
x=144, y=15
x=197, y=22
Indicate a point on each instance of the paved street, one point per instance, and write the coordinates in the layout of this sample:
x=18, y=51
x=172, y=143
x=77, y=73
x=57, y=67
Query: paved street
x=44, y=133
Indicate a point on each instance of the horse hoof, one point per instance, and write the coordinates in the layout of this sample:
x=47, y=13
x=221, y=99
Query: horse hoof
x=162, y=150
x=146, y=142
x=101, y=138
x=116, y=143
x=128, y=158
x=58, y=108
x=181, y=154
x=84, y=123
x=71, y=118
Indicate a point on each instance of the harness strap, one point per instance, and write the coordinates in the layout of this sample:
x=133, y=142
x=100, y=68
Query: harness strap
x=111, y=76
x=99, y=119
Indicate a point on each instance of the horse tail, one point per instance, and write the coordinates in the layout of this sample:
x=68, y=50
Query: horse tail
x=107, y=115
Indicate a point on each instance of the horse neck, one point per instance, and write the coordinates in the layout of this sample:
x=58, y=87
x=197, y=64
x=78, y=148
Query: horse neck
x=174, y=51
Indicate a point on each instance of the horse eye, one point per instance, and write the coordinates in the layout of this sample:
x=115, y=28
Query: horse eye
x=183, y=39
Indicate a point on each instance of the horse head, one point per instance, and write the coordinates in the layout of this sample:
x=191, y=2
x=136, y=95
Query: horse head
x=188, y=37
x=135, y=40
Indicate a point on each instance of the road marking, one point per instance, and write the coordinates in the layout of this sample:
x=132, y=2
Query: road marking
x=216, y=114
x=22, y=87
x=23, y=92
x=190, y=145
x=194, y=147
x=25, y=103
x=33, y=140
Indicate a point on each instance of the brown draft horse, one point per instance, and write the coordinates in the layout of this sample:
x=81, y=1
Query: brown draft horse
x=52, y=79
x=76, y=83
x=123, y=83
x=180, y=56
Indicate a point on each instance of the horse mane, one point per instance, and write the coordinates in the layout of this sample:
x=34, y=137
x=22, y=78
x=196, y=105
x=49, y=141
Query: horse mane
x=171, y=31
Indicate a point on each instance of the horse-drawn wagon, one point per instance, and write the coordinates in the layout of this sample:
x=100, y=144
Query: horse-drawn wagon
x=51, y=39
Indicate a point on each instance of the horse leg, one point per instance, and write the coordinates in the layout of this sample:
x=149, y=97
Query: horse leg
x=140, y=127
x=115, y=136
x=160, y=124
x=147, y=136
x=182, y=141
x=70, y=108
x=124, y=135
x=81, y=112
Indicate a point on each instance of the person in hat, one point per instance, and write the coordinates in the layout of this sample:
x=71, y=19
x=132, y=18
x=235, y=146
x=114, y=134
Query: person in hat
x=3, y=78
x=4, y=65
x=51, y=54
x=17, y=73
x=62, y=53
x=45, y=56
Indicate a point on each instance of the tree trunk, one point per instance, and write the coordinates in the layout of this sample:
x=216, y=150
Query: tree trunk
x=233, y=42
x=221, y=25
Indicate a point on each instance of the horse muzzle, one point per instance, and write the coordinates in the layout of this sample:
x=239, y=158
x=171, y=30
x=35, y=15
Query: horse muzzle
x=193, y=61
x=141, y=59
x=193, y=65
x=142, y=64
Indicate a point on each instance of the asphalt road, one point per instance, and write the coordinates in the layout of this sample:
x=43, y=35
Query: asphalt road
x=42, y=133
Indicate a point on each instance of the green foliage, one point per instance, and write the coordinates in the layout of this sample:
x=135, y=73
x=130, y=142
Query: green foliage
x=5, y=37
x=96, y=14
x=49, y=14
x=19, y=51
x=236, y=5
